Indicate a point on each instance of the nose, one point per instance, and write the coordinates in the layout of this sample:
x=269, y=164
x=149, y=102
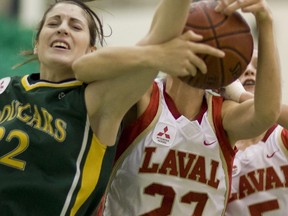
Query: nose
x=250, y=71
x=62, y=32
x=62, y=29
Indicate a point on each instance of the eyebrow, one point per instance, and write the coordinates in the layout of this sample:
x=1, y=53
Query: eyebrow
x=58, y=17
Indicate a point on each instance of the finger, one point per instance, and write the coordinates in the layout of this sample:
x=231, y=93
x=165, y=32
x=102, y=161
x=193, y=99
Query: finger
x=252, y=8
x=191, y=36
x=221, y=5
x=192, y=70
x=197, y=63
x=208, y=50
x=232, y=7
x=229, y=7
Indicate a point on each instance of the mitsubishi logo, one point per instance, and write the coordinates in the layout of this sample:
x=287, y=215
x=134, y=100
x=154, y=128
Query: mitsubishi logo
x=164, y=134
x=165, y=130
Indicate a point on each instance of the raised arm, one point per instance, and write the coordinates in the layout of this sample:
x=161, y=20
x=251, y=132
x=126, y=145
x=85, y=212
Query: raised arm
x=251, y=118
x=119, y=76
x=168, y=21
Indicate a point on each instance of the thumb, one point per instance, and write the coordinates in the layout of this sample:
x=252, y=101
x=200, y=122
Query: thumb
x=191, y=36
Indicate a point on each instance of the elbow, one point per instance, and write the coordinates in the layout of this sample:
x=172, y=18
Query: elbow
x=77, y=68
x=271, y=116
x=86, y=68
x=274, y=115
x=80, y=71
x=276, y=111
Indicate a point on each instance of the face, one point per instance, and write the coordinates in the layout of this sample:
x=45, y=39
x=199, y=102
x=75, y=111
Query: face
x=64, y=37
x=248, y=78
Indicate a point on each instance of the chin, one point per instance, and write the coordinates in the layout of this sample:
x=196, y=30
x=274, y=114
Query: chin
x=64, y=62
x=250, y=89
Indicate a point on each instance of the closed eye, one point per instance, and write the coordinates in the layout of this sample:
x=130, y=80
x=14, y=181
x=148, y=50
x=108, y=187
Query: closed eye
x=52, y=24
x=77, y=27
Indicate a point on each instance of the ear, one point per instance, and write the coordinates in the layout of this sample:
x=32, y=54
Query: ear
x=35, y=50
x=93, y=48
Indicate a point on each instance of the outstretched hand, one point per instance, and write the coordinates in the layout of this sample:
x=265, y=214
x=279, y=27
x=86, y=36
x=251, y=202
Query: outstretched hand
x=259, y=8
x=178, y=57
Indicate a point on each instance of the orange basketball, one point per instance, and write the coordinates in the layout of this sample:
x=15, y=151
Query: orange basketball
x=231, y=34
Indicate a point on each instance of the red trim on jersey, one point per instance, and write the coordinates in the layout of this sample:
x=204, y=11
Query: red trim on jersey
x=204, y=108
x=170, y=104
x=284, y=136
x=100, y=208
x=175, y=112
x=130, y=132
x=269, y=132
x=221, y=134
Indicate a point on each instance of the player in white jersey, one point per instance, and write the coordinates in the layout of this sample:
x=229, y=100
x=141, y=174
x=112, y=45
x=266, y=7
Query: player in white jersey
x=260, y=168
x=173, y=166
x=260, y=176
x=176, y=158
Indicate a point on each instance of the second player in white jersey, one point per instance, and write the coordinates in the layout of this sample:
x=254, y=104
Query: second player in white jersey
x=260, y=177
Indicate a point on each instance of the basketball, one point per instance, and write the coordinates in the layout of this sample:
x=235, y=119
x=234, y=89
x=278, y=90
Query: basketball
x=231, y=34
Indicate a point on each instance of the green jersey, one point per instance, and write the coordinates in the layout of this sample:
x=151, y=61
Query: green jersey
x=51, y=163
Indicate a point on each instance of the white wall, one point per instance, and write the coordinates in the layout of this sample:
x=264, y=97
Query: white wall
x=31, y=12
x=281, y=28
x=129, y=20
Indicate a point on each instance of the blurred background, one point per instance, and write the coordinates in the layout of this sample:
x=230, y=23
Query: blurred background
x=128, y=20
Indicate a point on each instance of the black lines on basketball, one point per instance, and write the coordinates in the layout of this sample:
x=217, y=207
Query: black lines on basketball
x=212, y=27
x=228, y=33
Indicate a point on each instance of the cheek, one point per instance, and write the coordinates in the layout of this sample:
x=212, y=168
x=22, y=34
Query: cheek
x=85, y=46
x=80, y=40
x=42, y=40
x=241, y=78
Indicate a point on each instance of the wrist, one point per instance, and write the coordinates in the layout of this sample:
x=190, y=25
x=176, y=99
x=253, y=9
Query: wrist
x=234, y=91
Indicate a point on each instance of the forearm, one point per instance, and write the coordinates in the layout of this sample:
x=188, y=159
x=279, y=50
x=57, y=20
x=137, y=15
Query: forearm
x=111, y=62
x=268, y=84
x=168, y=22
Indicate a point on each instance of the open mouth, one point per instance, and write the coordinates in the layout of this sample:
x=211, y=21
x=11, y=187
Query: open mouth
x=60, y=45
x=249, y=82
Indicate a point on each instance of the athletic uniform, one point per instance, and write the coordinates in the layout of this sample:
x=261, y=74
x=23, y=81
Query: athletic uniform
x=260, y=177
x=169, y=165
x=50, y=161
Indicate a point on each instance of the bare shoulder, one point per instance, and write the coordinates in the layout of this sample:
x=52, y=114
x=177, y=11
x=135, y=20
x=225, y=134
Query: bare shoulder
x=228, y=105
x=144, y=101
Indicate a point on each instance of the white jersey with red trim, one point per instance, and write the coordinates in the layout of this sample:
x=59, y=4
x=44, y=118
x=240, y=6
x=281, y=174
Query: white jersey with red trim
x=171, y=165
x=260, y=178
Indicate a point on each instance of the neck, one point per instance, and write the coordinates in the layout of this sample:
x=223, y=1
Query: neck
x=187, y=99
x=55, y=74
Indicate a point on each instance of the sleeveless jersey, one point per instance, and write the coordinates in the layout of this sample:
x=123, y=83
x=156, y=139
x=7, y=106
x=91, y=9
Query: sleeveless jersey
x=169, y=165
x=260, y=177
x=50, y=161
